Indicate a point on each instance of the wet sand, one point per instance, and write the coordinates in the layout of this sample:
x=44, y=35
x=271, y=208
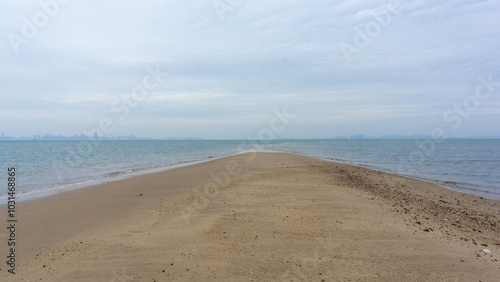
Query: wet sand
x=260, y=217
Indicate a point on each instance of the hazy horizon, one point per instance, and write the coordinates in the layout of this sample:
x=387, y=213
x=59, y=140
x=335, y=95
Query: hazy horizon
x=231, y=69
x=132, y=137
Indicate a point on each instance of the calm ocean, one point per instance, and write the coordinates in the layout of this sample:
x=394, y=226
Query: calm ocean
x=470, y=166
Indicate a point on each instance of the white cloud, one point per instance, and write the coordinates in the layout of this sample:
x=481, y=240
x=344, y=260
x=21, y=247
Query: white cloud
x=263, y=55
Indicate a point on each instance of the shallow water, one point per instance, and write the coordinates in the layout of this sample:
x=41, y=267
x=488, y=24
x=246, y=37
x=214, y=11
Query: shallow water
x=470, y=166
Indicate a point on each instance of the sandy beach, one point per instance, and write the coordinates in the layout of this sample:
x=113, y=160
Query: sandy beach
x=257, y=217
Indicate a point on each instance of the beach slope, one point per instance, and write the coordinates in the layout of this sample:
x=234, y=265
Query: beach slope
x=258, y=217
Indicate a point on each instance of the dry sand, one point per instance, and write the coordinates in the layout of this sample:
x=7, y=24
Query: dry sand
x=266, y=217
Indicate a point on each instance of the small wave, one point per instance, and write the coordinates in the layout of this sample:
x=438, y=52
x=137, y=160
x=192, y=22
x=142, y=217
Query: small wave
x=113, y=174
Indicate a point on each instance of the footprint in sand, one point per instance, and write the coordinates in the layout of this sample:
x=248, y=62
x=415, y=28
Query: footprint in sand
x=121, y=277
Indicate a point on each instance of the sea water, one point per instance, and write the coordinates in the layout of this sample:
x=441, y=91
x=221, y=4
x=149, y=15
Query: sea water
x=44, y=167
x=469, y=166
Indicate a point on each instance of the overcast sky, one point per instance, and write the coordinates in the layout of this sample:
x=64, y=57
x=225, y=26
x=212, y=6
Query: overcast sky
x=340, y=67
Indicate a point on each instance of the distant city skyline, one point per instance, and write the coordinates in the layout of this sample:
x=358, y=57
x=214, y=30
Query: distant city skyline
x=60, y=137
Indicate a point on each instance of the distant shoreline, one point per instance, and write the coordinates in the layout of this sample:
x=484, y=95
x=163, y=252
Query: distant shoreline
x=125, y=138
x=42, y=191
